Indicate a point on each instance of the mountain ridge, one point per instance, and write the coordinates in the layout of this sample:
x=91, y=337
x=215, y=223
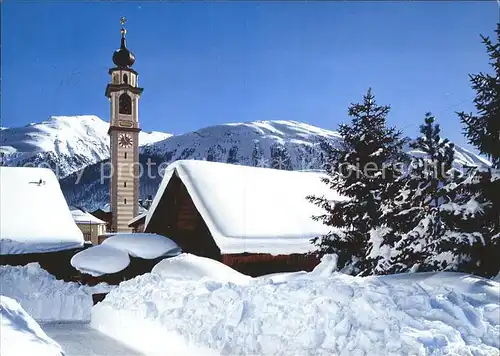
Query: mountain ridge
x=63, y=143
x=279, y=144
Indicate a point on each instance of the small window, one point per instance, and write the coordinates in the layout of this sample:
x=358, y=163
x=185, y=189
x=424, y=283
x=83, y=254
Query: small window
x=125, y=201
x=125, y=154
x=125, y=184
x=125, y=78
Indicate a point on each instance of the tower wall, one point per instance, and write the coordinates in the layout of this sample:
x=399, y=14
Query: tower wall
x=123, y=93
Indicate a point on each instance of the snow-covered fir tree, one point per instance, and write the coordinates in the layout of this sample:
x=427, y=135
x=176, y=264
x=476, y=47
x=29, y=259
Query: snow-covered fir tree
x=477, y=210
x=257, y=154
x=361, y=169
x=232, y=156
x=413, y=219
x=215, y=153
x=280, y=157
x=483, y=128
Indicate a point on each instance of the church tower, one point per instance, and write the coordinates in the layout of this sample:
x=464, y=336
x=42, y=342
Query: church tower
x=123, y=93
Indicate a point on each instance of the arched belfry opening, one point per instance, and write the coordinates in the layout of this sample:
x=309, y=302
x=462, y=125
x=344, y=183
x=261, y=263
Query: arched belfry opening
x=125, y=104
x=125, y=78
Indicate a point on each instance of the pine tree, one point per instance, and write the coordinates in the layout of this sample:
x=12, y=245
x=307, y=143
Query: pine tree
x=257, y=154
x=280, y=157
x=478, y=210
x=211, y=154
x=232, y=156
x=215, y=153
x=414, y=217
x=361, y=169
x=483, y=129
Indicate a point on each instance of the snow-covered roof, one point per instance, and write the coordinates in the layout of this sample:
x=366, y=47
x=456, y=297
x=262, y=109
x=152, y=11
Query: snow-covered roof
x=113, y=255
x=137, y=218
x=143, y=245
x=251, y=209
x=34, y=216
x=100, y=259
x=82, y=217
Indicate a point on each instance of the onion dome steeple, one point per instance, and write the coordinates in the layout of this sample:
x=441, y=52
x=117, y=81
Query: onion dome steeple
x=122, y=57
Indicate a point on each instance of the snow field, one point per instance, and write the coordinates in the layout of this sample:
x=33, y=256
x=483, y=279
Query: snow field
x=21, y=335
x=303, y=314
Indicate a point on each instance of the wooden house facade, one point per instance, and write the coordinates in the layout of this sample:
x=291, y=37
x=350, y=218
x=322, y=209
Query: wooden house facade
x=215, y=210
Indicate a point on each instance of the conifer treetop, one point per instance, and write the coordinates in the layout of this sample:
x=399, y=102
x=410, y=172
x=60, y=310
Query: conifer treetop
x=483, y=129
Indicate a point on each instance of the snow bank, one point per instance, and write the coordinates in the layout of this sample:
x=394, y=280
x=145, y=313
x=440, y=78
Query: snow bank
x=143, y=245
x=100, y=259
x=303, y=315
x=324, y=269
x=44, y=297
x=21, y=335
x=34, y=214
x=191, y=267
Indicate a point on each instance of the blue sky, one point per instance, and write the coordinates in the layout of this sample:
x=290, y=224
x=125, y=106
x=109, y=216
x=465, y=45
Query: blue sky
x=215, y=62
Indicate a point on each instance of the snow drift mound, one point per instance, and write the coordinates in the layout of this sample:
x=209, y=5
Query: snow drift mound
x=316, y=315
x=99, y=260
x=43, y=296
x=143, y=245
x=113, y=255
x=191, y=267
x=21, y=335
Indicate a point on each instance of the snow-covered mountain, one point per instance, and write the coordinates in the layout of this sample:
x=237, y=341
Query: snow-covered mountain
x=276, y=144
x=77, y=148
x=63, y=143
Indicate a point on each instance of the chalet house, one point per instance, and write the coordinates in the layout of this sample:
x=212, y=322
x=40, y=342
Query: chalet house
x=36, y=224
x=90, y=225
x=256, y=220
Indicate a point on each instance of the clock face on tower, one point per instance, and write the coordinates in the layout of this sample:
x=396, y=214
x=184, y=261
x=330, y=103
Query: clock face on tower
x=125, y=140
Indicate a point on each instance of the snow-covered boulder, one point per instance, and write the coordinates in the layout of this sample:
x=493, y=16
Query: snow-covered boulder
x=20, y=333
x=34, y=214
